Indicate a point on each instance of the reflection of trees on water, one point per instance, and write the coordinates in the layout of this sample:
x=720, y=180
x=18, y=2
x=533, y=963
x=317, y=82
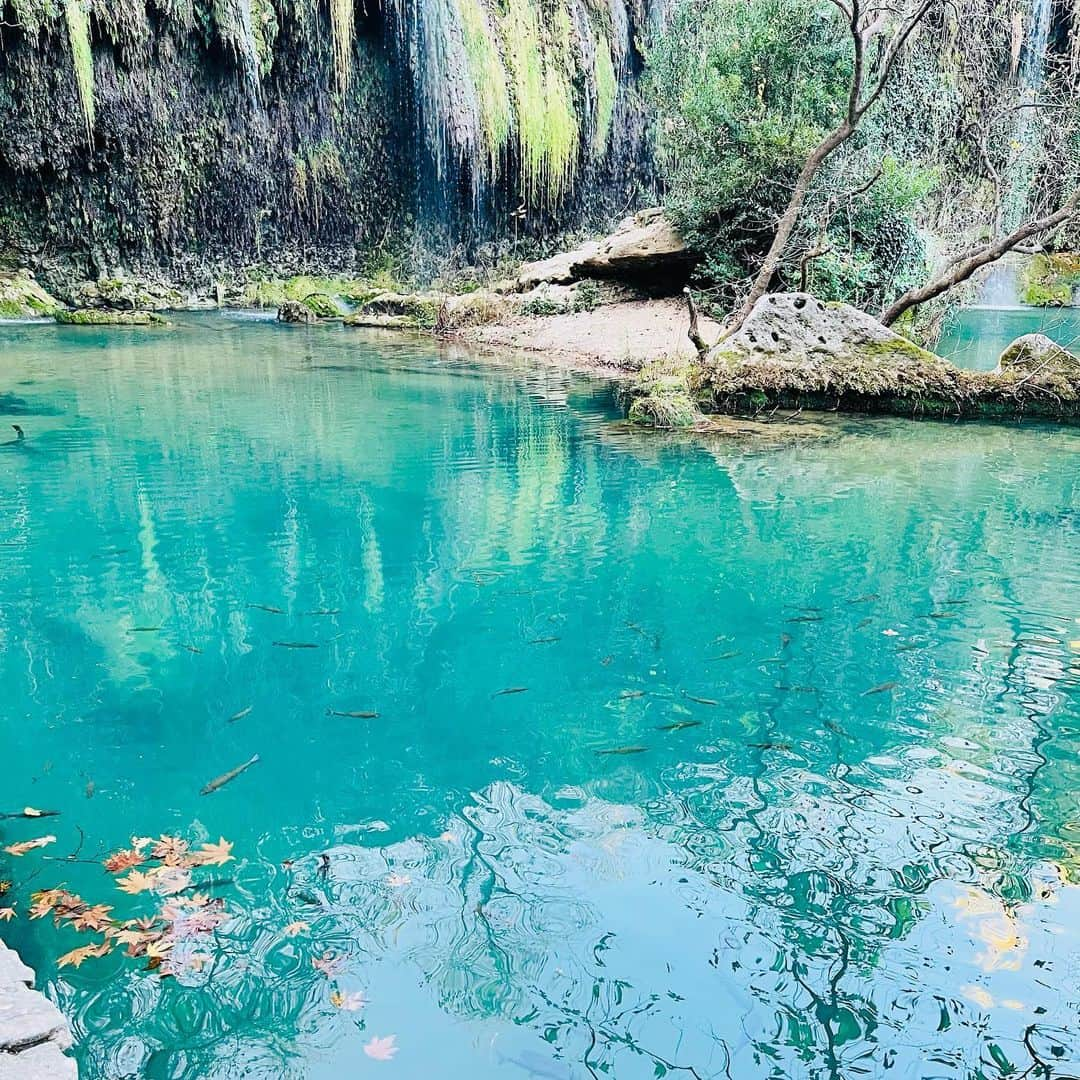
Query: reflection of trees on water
x=451, y=520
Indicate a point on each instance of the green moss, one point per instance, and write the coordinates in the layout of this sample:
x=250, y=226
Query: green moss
x=540, y=69
x=488, y=78
x=1049, y=280
x=322, y=305
x=78, y=27
x=22, y=297
x=96, y=317
x=606, y=89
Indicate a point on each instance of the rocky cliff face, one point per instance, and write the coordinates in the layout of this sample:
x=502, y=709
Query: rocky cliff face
x=201, y=133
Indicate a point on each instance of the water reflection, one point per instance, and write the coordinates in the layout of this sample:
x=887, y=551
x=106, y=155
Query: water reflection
x=844, y=842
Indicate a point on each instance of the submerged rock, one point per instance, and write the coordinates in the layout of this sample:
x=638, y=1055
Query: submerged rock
x=1035, y=353
x=98, y=317
x=293, y=311
x=21, y=297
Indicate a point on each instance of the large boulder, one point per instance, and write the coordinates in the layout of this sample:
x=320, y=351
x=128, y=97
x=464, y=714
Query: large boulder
x=644, y=248
x=103, y=317
x=558, y=270
x=799, y=328
x=126, y=294
x=21, y=297
x=293, y=311
x=1037, y=353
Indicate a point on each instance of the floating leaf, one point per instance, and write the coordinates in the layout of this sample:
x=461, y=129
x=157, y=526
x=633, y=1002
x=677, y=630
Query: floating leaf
x=7, y=913
x=29, y=845
x=48, y=900
x=349, y=1002
x=136, y=882
x=398, y=880
x=381, y=1049
x=295, y=928
x=5, y=886
x=76, y=957
x=94, y=918
x=213, y=854
x=124, y=860
x=328, y=964
x=29, y=811
x=171, y=850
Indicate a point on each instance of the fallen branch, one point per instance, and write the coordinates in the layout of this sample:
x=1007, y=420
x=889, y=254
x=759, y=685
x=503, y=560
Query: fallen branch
x=694, y=334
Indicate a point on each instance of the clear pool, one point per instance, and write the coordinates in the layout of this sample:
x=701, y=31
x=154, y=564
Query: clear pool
x=788, y=788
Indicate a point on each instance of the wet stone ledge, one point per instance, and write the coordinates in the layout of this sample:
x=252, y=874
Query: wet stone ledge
x=33, y=1032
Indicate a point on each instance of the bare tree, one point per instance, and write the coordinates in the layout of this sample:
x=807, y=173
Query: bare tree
x=874, y=27
x=962, y=266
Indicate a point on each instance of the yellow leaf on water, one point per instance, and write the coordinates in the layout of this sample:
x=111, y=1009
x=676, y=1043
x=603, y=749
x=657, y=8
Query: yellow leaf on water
x=213, y=854
x=136, y=882
x=76, y=957
x=159, y=949
x=29, y=845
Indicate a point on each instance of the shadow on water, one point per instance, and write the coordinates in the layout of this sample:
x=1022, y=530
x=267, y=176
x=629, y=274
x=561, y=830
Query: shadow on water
x=786, y=785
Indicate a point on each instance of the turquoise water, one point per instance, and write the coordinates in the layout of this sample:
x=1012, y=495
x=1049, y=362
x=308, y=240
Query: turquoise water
x=801, y=879
x=976, y=337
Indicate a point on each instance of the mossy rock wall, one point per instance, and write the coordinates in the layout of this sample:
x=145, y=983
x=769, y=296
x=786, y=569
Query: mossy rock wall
x=191, y=135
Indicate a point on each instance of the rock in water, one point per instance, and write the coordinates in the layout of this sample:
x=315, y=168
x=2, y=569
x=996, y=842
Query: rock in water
x=1037, y=353
x=22, y=297
x=798, y=327
x=645, y=248
x=293, y=311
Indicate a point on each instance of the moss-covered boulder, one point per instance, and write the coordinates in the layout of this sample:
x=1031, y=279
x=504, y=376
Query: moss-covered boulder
x=293, y=311
x=1036, y=353
x=660, y=396
x=416, y=311
x=21, y=297
x=322, y=305
x=101, y=317
x=126, y=294
x=1050, y=280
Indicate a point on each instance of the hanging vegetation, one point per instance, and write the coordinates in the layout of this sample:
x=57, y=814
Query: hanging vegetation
x=78, y=27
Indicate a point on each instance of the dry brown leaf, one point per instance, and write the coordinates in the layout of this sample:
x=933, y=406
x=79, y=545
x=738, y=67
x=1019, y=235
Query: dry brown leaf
x=171, y=850
x=124, y=860
x=94, y=918
x=136, y=882
x=7, y=913
x=295, y=928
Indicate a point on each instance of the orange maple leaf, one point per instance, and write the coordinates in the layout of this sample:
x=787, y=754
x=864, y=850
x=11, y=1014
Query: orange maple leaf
x=124, y=860
x=93, y=918
x=170, y=849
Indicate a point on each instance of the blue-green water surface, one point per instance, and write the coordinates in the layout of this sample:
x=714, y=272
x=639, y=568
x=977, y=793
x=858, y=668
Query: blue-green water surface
x=840, y=836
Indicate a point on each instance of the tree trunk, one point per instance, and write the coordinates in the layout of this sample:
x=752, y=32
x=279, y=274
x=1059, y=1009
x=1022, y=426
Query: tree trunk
x=963, y=270
x=786, y=225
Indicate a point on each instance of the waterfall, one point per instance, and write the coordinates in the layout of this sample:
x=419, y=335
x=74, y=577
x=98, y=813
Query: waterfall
x=1033, y=65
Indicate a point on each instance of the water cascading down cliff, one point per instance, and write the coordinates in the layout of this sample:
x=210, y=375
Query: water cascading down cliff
x=193, y=134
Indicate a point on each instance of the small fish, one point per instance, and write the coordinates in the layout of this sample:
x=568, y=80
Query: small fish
x=192, y=649
x=19, y=433
x=834, y=727
x=622, y=750
x=607, y=660
x=862, y=623
x=678, y=725
x=944, y=615
x=797, y=689
x=232, y=774
x=241, y=714
x=295, y=644
x=771, y=745
x=626, y=695
x=544, y=640
x=910, y=647
x=145, y=629
x=90, y=789
x=267, y=607
x=699, y=700
x=324, y=611
x=806, y=618
x=654, y=638
x=864, y=599
x=722, y=656
x=510, y=690
x=883, y=688
x=353, y=715
x=785, y=640
x=770, y=660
